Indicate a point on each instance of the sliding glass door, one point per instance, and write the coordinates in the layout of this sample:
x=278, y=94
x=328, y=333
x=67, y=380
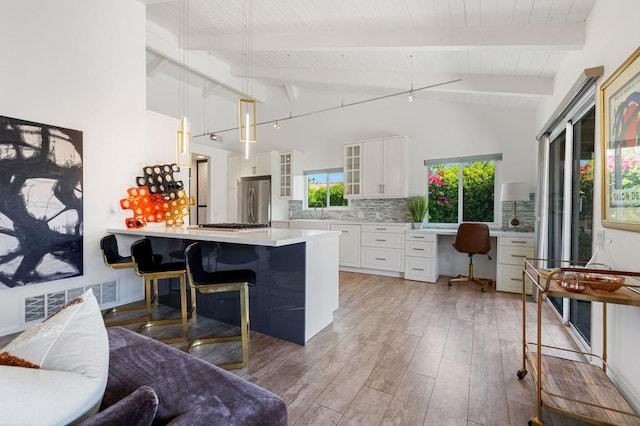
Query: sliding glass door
x=570, y=205
x=556, y=208
x=582, y=212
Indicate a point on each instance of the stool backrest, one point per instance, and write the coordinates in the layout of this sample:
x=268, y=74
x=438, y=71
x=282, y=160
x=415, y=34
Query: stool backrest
x=473, y=238
x=110, y=254
x=142, y=254
x=193, y=259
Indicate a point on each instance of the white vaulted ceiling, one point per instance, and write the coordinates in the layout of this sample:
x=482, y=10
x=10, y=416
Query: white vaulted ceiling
x=506, y=52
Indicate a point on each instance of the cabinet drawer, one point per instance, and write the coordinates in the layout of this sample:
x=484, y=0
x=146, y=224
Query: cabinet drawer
x=509, y=255
x=385, y=259
x=383, y=240
x=420, y=236
x=394, y=228
x=516, y=241
x=420, y=269
x=509, y=278
x=420, y=249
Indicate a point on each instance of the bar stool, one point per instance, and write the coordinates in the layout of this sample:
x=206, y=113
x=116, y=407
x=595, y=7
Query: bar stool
x=216, y=282
x=112, y=258
x=144, y=266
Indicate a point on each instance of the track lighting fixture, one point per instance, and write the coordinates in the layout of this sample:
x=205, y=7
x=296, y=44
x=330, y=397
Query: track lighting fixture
x=213, y=136
x=276, y=125
x=412, y=96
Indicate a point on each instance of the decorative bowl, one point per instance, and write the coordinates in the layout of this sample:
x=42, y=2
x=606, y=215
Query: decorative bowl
x=570, y=281
x=601, y=281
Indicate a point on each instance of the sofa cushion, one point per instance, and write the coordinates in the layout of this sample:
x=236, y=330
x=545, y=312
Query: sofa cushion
x=136, y=409
x=71, y=349
x=190, y=391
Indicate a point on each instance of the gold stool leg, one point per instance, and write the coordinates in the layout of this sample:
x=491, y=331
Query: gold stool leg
x=193, y=313
x=244, y=332
x=184, y=317
x=244, y=324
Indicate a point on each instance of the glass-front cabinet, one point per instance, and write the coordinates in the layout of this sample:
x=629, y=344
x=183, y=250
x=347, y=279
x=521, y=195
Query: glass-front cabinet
x=286, y=177
x=352, y=170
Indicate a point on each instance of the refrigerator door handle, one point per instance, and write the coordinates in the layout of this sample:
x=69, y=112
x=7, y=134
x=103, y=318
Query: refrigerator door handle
x=252, y=205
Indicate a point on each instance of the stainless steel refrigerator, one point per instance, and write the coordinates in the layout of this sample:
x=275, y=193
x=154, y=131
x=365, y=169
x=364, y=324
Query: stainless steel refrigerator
x=254, y=200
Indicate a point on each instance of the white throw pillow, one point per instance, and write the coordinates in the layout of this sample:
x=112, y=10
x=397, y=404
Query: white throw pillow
x=71, y=347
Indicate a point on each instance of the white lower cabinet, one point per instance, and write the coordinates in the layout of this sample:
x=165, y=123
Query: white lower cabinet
x=511, y=254
x=349, y=254
x=421, y=256
x=383, y=247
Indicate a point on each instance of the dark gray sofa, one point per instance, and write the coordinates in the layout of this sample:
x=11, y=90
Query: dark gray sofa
x=153, y=383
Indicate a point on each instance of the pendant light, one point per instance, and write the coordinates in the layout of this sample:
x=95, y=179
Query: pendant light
x=247, y=118
x=183, y=142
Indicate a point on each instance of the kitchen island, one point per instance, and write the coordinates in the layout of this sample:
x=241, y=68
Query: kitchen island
x=296, y=287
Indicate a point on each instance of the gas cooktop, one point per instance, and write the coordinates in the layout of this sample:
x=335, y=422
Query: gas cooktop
x=232, y=226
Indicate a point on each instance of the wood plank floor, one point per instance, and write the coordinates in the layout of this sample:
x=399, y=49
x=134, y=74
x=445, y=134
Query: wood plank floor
x=401, y=353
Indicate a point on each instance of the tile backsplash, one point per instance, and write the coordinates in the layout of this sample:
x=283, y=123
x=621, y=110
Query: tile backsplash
x=396, y=210
x=374, y=210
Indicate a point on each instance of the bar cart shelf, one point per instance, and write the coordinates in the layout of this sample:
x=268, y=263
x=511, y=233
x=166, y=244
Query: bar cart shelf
x=566, y=382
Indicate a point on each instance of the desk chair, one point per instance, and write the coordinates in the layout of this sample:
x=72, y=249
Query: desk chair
x=145, y=266
x=216, y=282
x=472, y=238
x=112, y=258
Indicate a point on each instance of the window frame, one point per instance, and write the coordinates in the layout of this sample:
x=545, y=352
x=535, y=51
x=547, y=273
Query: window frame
x=460, y=161
x=328, y=172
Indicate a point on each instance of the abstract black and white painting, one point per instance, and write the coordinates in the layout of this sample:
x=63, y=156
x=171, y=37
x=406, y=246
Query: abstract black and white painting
x=41, y=214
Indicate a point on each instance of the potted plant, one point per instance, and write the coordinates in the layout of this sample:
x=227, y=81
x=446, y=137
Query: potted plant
x=418, y=208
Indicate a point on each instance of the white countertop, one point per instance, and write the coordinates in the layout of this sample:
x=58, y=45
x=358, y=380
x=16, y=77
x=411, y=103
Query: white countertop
x=258, y=237
x=453, y=231
x=439, y=231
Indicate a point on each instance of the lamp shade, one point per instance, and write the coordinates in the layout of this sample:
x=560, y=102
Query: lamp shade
x=515, y=191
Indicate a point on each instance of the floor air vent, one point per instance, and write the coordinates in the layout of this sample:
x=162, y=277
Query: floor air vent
x=37, y=308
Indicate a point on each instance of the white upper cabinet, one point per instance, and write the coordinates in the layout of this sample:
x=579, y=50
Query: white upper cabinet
x=290, y=177
x=353, y=170
x=383, y=169
x=258, y=164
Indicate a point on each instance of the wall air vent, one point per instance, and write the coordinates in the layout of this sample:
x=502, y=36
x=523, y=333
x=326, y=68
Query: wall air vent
x=39, y=307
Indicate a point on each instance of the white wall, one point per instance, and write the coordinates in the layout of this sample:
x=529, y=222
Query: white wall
x=612, y=35
x=79, y=64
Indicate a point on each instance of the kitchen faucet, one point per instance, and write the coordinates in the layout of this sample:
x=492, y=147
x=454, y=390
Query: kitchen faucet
x=322, y=207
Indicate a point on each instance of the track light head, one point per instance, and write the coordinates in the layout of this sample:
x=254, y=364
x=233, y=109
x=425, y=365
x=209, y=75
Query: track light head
x=276, y=125
x=412, y=96
x=213, y=136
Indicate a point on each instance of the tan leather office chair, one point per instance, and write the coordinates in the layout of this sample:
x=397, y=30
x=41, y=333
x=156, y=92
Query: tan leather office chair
x=472, y=238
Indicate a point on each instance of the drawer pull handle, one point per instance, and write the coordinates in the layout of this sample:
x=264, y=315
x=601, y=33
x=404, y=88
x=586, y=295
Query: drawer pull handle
x=417, y=269
x=381, y=229
x=418, y=237
x=516, y=279
x=417, y=249
x=346, y=232
x=518, y=255
x=380, y=258
x=518, y=242
x=382, y=241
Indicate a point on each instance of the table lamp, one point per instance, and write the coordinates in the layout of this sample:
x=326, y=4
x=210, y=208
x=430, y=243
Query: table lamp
x=515, y=191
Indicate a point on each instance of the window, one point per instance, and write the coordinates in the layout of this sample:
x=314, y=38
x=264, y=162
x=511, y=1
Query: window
x=318, y=181
x=462, y=189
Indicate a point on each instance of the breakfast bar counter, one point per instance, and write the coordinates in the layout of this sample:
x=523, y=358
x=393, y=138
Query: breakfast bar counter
x=296, y=287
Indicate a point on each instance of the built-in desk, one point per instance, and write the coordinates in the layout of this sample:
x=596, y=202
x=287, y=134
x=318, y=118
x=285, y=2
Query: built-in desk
x=429, y=253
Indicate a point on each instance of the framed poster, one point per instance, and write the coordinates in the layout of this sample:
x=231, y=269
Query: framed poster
x=41, y=214
x=620, y=132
